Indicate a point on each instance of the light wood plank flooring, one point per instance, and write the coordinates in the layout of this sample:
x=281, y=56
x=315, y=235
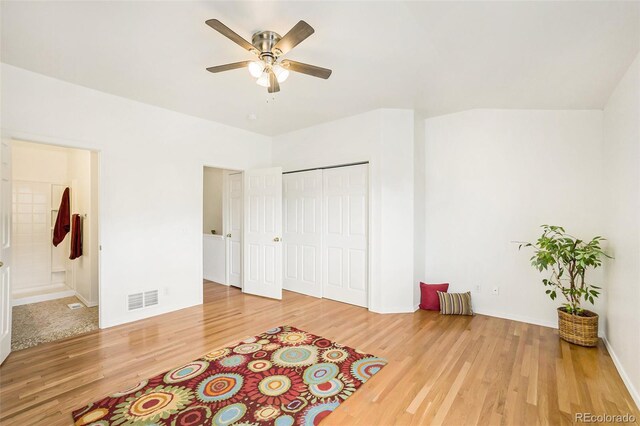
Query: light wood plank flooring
x=442, y=369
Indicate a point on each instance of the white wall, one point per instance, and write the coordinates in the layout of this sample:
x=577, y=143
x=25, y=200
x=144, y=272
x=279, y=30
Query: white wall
x=151, y=174
x=622, y=214
x=385, y=139
x=39, y=163
x=419, y=243
x=212, y=200
x=495, y=176
x=83, y=176
x=214, y=258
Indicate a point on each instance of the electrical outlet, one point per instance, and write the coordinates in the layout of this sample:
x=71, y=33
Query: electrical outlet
x=495, y=291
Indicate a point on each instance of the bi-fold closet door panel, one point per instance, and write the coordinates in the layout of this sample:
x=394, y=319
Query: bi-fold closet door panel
x=345, y=228
x=325, y=233
x=302, y=233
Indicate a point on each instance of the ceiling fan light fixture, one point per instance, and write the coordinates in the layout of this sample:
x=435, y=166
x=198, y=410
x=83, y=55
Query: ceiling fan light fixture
x=256, y=68
x=263, y=80
x=281, y=73
x=269, y=47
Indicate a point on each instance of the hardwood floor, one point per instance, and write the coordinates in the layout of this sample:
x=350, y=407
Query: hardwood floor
x=442, y=369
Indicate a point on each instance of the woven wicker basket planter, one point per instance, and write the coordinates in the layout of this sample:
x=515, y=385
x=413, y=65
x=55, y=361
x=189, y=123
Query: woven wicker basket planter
x=581, y=330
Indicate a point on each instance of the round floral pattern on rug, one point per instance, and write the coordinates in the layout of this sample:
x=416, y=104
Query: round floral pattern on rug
x=219, y=387
x=247, y=348
x=282, y=377
x=296, y=356
x=320, y=373
x=334, y=355
x=192, y=416
x=217, y=354
x=229, y=414
x=186, y=372
x=364, y=368
x=259, y=365
x=233, y=361
x=152, y=405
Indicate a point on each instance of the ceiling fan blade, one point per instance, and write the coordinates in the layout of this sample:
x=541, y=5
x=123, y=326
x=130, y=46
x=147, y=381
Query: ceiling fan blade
x=295, y=36
x=274, y=86
x=306, y=69
x=227, y=67
x=230, y=34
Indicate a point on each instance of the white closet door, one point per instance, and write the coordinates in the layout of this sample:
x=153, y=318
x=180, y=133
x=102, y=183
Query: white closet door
x=233, y=219
x=262, y=207
x=345, y=220
x=302, y=237
x=5, y=250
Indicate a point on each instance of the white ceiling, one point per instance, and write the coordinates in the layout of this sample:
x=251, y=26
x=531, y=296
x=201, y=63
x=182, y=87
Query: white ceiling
x=435, y=57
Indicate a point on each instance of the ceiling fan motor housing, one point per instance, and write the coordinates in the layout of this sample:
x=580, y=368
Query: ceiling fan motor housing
x=264, y=41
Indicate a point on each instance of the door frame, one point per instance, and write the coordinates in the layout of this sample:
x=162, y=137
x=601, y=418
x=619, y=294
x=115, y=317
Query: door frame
x=14, y=135
x=225, y=199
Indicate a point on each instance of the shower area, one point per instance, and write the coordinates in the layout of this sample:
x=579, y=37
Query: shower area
x=55, y=245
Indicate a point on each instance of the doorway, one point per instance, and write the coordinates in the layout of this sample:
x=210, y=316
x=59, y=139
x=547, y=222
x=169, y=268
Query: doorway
x=54, y=243
x=248, y=254
x=222, y=226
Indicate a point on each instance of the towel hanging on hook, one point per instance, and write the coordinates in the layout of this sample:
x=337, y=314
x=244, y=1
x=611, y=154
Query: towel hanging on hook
x=63, y=225
x=76, y=237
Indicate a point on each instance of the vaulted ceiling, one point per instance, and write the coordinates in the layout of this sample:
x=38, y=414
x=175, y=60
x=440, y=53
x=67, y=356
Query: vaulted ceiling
x=435, y=57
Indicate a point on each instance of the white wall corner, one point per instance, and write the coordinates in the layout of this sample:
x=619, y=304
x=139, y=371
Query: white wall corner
x=87, y=303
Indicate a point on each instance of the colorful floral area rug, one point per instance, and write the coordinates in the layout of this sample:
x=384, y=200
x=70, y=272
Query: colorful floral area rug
x=282, y=377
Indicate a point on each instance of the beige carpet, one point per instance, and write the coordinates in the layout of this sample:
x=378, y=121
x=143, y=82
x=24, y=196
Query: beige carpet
x=42, y=322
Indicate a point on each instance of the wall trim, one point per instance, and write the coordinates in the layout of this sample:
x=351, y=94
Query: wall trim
x=85, y=301
x=623, y=374
x=53, y=295
x=519, y=318
x=394, y=310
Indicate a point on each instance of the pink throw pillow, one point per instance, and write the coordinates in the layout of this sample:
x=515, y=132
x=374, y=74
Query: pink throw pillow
x=429, y=297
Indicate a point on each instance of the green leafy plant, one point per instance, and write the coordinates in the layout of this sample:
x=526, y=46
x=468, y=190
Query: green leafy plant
x=567, y=258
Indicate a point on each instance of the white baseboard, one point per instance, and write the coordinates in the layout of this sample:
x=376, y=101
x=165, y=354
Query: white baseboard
x=17, y=301
x=85, y=301
x=520, y=318
x=394, y=310
x=623, y=374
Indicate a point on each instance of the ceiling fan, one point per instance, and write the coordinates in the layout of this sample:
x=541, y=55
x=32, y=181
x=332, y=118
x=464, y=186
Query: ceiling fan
x=269, y=46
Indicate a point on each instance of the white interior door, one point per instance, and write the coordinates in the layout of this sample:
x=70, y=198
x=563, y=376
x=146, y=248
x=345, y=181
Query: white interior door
x=233, y=229
x=5, y=250
x=302, y=233
x=262, y=246
x=345, y=219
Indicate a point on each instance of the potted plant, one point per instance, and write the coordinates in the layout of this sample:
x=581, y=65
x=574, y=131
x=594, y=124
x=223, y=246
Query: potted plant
x=568, y=259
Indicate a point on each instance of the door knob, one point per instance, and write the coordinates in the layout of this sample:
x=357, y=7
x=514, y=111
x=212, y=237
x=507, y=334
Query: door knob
x=228, y=235
x=276, y=239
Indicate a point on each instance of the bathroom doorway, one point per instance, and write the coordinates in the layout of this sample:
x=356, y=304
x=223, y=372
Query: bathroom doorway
x=54, y=230
x=222, y=226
